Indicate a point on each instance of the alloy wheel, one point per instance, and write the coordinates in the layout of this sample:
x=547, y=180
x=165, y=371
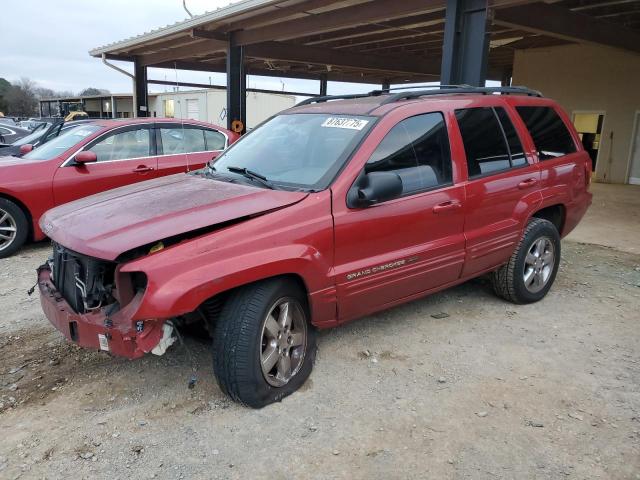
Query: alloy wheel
x=8, y=229
x=539, y=264
x=283, y=341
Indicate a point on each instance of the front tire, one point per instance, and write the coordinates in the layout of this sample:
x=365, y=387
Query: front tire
x=264, y=345
x=14, y=228
x=532, y=269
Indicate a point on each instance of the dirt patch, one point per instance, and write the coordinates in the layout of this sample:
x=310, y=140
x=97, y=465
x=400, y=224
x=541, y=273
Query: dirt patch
x=489, y=390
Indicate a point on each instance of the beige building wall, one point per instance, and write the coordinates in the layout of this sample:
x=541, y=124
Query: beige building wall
x=590, y=78
x=212, y=105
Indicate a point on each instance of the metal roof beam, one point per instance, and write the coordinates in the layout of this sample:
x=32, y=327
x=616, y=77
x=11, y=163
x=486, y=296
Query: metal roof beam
x=325, y=56
x=187, y=51
x=362, y=14
x=559, y=22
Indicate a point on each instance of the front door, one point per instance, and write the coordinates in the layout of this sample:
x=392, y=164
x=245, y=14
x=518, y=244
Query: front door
x=409, y=245
x=124, y=156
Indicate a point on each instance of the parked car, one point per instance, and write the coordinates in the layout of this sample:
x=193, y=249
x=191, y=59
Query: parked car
x=10, y=133
x=327, y=212
x=32, y=123
x=38, y=137
x=94, y=157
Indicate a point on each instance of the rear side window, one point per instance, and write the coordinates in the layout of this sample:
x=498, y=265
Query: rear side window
x=549, y=133
x=176, y=140
x=491, y=143
x=417, y=149
x=513, y=141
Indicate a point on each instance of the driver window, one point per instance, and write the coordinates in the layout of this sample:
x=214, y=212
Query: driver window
x=417, y=149
x=123, y=145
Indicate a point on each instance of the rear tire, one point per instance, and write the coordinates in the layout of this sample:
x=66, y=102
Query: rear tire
x=532, y=269
x=14, y=228
x=263, y=344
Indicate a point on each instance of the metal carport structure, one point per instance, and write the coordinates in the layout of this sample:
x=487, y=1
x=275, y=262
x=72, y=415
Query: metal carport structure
x=371, y=41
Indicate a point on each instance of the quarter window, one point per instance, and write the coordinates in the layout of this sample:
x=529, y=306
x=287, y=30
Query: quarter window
x=177, y=140
x=417, y=149
x=214, y=140
x=549, y=133
x=123, y=145
x=491, y=143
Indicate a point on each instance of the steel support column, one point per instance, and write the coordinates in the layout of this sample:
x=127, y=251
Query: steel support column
x=466, y=43
x=114, y=107
x=323, y=85
x=386, y=85
x=141, y=107
x=236, y=87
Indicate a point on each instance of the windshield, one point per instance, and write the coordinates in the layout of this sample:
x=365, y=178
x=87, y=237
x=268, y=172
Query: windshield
x=299, y=150
x=31, y=138
x=62, y=143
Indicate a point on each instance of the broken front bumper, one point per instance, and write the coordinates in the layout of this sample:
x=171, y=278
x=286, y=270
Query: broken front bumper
x=118, y=333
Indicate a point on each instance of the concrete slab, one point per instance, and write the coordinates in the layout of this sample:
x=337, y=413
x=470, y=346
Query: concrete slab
x=613, y=219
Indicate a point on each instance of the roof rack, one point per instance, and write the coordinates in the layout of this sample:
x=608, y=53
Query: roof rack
x=430, y=90
x=462, y=89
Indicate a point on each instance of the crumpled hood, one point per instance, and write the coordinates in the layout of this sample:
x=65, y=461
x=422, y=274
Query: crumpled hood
x=110, y=223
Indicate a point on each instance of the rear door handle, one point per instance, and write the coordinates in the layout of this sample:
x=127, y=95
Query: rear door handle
x=528, y=183
x=447, y=206
x=142, y=169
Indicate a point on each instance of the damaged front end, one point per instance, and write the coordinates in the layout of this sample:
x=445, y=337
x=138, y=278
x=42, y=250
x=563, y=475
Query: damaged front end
x=94, y=304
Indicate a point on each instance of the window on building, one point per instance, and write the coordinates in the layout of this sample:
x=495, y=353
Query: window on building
x=549, y=133
x=417, y=149
x=169, y=108
x=123, y=145
x=182, y=140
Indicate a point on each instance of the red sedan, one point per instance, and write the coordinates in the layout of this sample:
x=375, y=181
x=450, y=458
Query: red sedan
x=95, y=157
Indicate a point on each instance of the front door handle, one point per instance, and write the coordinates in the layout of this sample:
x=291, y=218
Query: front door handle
x=447, y=206
x=142, y=169
x=528, y=183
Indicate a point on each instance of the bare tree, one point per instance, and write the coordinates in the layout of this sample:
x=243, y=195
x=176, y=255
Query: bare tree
x=21, y=99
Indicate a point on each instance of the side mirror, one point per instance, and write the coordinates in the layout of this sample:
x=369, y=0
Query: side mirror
x=26, y=148
x=374, y=187
x=86, y=157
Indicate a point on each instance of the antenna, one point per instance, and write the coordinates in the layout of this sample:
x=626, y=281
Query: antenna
x=184, y=5
x=184, y=143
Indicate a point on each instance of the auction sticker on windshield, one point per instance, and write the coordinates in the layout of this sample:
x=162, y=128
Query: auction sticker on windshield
x=342, y=122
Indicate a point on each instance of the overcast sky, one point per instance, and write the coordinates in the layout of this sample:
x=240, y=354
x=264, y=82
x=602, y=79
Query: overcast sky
x=48, y=41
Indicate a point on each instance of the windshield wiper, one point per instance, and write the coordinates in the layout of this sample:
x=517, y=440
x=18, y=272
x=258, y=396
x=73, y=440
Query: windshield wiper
x=252, y=175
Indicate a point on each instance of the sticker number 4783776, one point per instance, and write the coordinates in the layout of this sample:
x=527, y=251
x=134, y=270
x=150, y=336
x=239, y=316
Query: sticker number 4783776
x=345, y=122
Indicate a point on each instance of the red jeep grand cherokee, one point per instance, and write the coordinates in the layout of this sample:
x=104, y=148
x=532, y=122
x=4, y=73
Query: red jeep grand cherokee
x=332, y=210
x=94, y=157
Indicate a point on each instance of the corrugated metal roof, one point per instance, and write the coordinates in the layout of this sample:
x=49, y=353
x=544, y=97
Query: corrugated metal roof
x=222, y=13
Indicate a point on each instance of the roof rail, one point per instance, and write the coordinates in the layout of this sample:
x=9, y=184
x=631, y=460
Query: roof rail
x=429, y=90
x=326, y=98
x=464, y=90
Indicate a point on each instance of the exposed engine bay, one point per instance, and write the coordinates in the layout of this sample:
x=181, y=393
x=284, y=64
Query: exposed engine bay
x=86, y=283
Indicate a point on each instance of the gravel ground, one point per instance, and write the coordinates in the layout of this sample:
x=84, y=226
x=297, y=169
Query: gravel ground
x=493, y=390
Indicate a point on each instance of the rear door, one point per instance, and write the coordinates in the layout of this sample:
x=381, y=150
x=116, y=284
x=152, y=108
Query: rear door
x=562, y=164
x=185, y=147
x=125, y=155
x=503, y=182
x=399, y=248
